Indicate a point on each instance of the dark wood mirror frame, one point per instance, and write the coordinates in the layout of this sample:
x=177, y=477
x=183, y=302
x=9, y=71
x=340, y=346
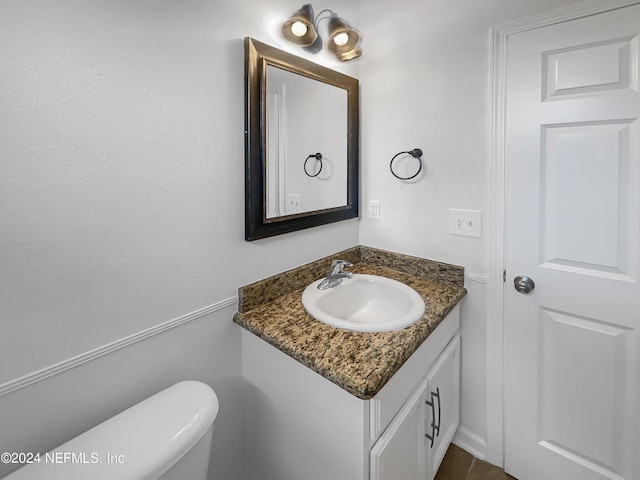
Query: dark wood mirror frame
x=257, y=225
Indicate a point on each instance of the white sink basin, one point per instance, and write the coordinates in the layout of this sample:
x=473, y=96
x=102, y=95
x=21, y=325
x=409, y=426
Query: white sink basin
x=365, y=303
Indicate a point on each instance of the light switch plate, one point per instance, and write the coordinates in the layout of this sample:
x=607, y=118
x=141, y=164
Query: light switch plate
x=465, y=222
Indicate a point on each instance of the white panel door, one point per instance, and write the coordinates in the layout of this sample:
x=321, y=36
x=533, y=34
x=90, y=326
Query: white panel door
x=571, y=360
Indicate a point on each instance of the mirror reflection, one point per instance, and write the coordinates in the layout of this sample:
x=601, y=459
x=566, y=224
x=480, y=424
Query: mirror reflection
x=306, y=136
x=301, y=143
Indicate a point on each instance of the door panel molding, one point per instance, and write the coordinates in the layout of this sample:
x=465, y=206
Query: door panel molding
x=564, y=70
x=565, y=401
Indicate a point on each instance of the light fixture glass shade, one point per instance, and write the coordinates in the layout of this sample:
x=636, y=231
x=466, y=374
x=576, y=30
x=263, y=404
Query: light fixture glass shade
x=343, y=40
x=299, y=28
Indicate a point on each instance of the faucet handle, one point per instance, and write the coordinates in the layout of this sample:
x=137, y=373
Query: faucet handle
x=342, y=263
x=336, y=274
x=338, y=265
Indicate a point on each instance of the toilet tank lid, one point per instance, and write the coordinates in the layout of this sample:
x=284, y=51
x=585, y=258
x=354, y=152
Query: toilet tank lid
x=141, y=442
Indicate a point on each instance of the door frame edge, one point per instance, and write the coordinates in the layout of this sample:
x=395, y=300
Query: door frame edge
x=499, y=38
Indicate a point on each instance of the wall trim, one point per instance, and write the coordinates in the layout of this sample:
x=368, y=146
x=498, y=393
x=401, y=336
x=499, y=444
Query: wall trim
x=476, y=278
x=572, y=12
x=471, y=442
x=60, y=367
x=499, y=36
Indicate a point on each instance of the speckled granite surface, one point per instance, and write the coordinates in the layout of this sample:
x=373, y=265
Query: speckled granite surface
x=360, y=363
x=420, y=267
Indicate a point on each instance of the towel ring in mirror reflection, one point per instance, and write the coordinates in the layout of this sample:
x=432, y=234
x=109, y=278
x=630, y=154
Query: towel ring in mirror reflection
x=318, y=157
x=415, y=153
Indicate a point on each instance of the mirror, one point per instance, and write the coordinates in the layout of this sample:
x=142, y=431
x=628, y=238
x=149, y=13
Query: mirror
x=301, y=124
x=301, y=143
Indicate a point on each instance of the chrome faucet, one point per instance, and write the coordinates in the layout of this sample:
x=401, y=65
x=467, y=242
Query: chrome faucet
x=336, y=274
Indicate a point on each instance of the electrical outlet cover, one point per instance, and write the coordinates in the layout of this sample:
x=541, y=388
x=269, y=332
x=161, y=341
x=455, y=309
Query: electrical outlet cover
x=374, y=209
x=294, y=203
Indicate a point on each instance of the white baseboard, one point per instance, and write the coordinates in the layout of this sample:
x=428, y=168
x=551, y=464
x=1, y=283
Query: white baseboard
x=55, y=369
x=471, y=442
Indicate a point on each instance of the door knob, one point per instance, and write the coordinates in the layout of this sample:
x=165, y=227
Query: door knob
x=523, y=284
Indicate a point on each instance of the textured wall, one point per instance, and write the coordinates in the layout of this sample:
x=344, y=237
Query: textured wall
x=122, y=171
x=121, y=203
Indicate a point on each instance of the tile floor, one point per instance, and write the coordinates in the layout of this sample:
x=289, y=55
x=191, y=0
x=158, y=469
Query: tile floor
x=458, y=464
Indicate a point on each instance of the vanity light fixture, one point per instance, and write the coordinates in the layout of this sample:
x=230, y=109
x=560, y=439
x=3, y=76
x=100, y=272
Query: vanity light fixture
x=299, y=28
x=302, y=29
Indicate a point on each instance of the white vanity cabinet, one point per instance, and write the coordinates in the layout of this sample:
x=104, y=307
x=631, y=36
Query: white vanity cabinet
x=443, y=415
x=413, y=445
x=299, y=425
x=401, y=452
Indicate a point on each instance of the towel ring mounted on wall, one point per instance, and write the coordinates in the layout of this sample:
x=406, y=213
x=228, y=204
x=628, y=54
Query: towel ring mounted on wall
x=317, y=156
x=415, y=153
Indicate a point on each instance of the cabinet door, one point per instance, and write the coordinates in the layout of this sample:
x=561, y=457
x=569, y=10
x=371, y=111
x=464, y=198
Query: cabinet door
x=443, y=401
x=400, y=452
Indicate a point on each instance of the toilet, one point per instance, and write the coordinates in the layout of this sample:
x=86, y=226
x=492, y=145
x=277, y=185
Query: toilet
x=165, y=437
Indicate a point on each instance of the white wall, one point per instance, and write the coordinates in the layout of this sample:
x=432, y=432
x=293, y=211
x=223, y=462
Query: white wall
x=121, y=139
x=425, y=83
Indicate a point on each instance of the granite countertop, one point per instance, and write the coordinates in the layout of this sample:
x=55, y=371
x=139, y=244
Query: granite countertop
x=360, y=363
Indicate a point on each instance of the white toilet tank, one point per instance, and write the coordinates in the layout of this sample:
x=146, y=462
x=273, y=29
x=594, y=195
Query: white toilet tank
x=165, y=437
